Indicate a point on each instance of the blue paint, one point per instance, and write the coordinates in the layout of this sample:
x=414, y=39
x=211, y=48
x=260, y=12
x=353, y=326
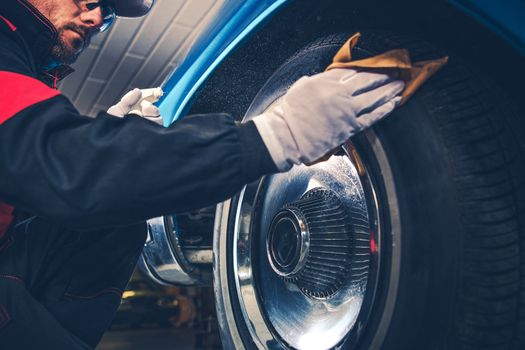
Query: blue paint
x=505, y=17
x=233, y=21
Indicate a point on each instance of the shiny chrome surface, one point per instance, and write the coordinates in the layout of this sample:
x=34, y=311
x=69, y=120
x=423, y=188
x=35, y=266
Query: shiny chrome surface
x=237, y=329
x=163, y=256
x=201, y=256
x=276, y=313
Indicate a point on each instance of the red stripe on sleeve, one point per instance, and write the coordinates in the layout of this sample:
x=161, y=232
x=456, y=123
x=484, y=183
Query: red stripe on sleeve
x=11, y=25
x=6, y=217
x=18, y=92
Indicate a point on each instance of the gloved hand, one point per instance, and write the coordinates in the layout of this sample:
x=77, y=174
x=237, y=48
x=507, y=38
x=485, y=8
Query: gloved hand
x=128, y=104
x=319, y=113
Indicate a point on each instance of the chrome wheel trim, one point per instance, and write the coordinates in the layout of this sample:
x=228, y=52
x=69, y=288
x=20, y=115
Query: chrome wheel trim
x=275, y=322
x=230, y=336
x=394, y=263
x=232, y=324
x=162, y=260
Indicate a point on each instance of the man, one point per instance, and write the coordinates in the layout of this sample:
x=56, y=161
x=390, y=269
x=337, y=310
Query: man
x=75, y=191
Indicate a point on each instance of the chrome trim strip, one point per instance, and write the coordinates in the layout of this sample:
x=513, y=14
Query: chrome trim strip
x=159, y=257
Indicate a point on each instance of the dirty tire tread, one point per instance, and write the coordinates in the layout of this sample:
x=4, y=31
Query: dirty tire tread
x=467, y=112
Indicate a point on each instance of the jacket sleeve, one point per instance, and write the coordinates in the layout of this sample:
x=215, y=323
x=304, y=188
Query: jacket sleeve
x=91, y=172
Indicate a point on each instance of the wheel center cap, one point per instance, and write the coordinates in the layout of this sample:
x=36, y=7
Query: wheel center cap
x=286, y=246
x=288, y=242
x=310, y=243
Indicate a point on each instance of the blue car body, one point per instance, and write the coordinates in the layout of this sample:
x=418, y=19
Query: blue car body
x=506, y=18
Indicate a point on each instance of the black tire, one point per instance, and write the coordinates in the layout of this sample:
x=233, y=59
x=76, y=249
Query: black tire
x=455, y=277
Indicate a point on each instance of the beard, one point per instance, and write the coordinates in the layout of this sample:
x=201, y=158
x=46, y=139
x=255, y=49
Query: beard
x=67, y=53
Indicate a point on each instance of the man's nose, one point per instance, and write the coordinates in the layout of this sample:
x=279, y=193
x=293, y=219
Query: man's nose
x=92, y=19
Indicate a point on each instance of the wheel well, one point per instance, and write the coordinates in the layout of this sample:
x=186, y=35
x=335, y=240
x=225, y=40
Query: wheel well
x=235, y=83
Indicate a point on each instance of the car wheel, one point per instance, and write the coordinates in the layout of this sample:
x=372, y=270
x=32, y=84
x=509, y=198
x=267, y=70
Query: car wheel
x=410, y=237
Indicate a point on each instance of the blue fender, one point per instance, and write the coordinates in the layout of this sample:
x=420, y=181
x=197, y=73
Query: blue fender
x=505, y=17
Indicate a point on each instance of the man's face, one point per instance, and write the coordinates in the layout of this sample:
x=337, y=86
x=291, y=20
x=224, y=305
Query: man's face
x=75, y=24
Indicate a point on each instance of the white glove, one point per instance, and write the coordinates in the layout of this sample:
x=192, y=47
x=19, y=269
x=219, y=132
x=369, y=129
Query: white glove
x=134, y=103
x=321, y=112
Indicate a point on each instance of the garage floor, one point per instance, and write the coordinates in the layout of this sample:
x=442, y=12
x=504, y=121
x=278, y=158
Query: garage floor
x=159, y=339
x=142, y=339
x=143, y=323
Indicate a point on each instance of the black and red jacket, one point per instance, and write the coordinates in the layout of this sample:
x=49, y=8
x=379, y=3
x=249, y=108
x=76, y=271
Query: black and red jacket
x=90, y=172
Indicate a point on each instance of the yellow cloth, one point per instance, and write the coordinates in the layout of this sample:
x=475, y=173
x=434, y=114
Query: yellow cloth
x=414, y=74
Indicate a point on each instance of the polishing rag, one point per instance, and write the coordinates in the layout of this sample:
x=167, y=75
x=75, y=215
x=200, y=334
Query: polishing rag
x=398, y=61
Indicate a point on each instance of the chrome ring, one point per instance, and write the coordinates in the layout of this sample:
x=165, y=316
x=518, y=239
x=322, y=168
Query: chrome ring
x=302, y=243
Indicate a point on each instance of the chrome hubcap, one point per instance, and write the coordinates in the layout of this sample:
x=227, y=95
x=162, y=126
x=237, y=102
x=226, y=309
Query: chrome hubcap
x=305, y=243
